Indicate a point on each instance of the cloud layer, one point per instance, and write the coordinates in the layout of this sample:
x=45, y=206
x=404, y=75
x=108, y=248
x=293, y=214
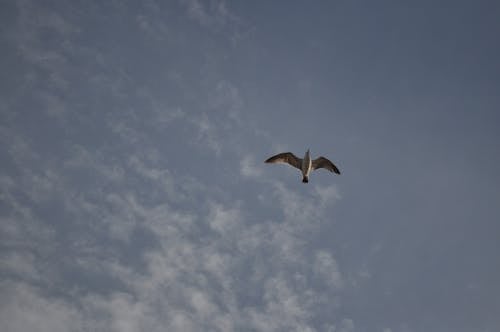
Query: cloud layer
x=133, y=193
x=123, y=209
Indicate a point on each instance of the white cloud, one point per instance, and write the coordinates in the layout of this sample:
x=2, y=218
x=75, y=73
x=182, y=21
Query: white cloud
x=211, y=14
x=326, y=267
x=192, y=278
x=298, y=209
x=21, y=264
x=154, y=28
x=197, y=11
x=22, y=308
x=49, y=61
x=223, y=220
x=327, y=194
x=283, y=302
x=181, y=321
x=126, y=314
x=84, y=159
x=249, y=168
x=153, y=248
x=207, y=133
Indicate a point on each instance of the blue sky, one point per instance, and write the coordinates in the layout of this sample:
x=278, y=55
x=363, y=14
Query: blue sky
x=134, y=196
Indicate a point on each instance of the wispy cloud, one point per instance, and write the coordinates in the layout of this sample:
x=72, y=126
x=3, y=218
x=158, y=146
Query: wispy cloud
x=207, y=134
x=213, y=14
x=106, y=228
x=249, y=168
x=326, y=267
x=24, y=308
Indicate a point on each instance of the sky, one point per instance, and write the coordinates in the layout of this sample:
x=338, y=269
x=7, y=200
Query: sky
x=134, y=196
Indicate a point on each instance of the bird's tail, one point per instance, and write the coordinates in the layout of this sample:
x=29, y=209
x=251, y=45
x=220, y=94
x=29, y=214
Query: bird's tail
x=305, y=179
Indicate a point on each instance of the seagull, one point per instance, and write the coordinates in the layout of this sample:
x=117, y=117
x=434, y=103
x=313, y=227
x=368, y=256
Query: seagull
x=305, y=165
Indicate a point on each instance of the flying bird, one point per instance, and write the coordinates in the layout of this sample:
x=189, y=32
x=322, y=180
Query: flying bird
x=305, y=165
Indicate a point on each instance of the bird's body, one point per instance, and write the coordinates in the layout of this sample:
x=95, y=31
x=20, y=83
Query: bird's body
x=305, y=165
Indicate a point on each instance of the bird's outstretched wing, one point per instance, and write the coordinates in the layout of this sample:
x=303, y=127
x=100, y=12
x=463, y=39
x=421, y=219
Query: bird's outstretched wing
x=286, y=157
x=322, y=162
